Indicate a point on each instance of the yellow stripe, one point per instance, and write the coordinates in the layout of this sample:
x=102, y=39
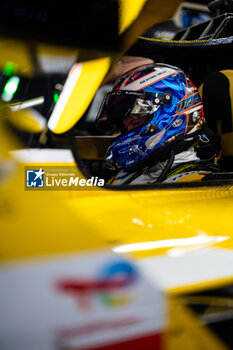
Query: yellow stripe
x=128, y=12
x=200, y=89
x=175, y=41
x=27, y=120
x=192, y=288
x=187, y=332
x=192, y=177
x=80, y=96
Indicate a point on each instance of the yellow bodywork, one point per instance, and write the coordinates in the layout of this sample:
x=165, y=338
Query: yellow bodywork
x=180, y=221
x=160, y=230
x=181, y=230
x=81, y=85
x=185, y=332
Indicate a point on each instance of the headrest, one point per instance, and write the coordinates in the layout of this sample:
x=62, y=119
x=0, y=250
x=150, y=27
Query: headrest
x=217, y=95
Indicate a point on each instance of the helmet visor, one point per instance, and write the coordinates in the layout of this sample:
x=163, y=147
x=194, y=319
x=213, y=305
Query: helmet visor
x=124, y=111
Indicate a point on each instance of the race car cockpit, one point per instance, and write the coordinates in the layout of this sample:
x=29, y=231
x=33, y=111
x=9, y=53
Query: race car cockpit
x=204, y=52
x=88, y=96
x=200, y=44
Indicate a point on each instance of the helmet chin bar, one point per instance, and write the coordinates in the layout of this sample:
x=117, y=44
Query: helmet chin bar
x=174, y=146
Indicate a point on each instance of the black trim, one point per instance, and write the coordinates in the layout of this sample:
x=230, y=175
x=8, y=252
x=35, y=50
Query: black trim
x=168, y=166
x=217, y=101
x=157, y=186
x=185, y=53
x=214, y=309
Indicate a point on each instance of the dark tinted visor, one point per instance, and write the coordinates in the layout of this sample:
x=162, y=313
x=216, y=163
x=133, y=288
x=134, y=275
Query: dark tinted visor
x=115, y=111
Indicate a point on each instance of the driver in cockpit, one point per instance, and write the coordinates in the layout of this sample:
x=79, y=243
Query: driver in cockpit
x=156, y=113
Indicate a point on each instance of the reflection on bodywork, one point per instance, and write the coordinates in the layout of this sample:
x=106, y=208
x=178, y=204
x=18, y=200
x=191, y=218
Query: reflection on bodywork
x=197, y=241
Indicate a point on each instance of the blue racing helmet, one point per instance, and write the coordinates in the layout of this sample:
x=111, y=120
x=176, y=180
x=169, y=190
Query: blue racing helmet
x=149, y=108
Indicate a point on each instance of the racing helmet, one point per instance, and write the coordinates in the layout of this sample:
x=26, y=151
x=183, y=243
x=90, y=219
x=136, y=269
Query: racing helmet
x=152, y=109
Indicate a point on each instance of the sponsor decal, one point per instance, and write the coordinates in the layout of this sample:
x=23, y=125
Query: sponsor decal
x=152, y=77
x=181, y=169
x=83, y=301
x=188, y=102
x=148, y=79
x=92, y=328
x=177, y=123
x=109, y=288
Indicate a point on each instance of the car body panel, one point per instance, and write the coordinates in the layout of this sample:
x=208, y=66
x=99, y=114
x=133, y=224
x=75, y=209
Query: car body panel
x=179, y=229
